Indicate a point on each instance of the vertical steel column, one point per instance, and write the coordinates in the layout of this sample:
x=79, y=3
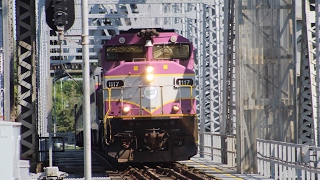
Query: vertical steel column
x=44, y=105
x=211, y=52
x=297, y=26
x=3, y=18
x=239, y=103
x=318, y=62
x=227, y=126
x=200, y=75
x=25, y=14
x=43, y=77
x=228, y=69
x=308, y=107
x=207, y=36
x=86, y=91
x=7, y=9
x=266, y=88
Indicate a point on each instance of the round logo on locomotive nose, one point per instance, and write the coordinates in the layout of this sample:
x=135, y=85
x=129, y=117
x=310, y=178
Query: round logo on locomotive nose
x=122, y=40
x=150, y=92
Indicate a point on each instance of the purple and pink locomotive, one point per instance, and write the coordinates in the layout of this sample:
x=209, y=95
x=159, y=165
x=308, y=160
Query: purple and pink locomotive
x=143, y=101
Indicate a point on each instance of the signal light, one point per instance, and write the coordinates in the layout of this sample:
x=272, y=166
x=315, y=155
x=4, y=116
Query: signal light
x=60, y=14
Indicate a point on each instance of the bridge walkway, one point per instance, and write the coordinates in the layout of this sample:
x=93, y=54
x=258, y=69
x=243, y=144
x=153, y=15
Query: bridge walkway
x=220, y=171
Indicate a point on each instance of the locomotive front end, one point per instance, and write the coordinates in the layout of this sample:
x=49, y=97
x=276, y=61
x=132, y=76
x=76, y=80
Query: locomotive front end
x=148, y=93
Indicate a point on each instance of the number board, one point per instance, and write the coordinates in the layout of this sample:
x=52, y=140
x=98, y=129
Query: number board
x=115, y=83
x=184, y=81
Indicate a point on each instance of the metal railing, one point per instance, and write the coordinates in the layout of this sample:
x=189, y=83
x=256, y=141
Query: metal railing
x=107, y=116
x=218, y=148
x=281, y=160
x=60, y=141
x=276, y=160
x=123, y=88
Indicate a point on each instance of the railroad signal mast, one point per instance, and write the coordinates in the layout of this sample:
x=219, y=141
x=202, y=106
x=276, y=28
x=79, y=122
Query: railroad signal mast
x=60, y=17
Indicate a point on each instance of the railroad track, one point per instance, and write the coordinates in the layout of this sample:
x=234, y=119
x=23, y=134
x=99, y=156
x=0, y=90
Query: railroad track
x=148, y=171
x=72, y=163
x=153, y=171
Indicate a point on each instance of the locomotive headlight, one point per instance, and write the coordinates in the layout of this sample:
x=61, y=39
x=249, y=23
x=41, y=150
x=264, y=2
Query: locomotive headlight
x=149, y=73
x=175, y=108
x=149, y=69
x=150, y=77
x=126, y=109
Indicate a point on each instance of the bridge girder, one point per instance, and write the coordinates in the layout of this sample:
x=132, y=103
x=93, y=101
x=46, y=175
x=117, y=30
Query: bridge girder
x=26, y=65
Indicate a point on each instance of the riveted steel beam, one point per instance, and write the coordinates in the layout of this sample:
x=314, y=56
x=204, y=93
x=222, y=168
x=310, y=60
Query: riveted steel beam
x=26, y=65
x=308, y=129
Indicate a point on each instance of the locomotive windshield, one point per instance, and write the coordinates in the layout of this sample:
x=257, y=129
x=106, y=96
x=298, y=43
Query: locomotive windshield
x=127, y=53
x=171, y=51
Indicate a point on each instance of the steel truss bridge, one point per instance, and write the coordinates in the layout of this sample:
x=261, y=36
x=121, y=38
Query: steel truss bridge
x=257, y=70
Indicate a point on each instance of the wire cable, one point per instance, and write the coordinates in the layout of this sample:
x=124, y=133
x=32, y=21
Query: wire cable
x=64, y=69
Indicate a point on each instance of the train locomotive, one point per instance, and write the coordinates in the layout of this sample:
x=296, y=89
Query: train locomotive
x=143, y=99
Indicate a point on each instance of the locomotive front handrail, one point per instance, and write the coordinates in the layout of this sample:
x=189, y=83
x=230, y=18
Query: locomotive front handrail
x=141, y=96
x=106, y=115
x=161, y=91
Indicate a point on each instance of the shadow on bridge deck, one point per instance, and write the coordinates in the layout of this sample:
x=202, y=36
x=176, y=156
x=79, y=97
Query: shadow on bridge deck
x=218, y=170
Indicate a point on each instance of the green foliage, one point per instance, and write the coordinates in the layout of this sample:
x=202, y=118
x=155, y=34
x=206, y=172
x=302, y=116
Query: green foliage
x=65, y=120
x=67, y=94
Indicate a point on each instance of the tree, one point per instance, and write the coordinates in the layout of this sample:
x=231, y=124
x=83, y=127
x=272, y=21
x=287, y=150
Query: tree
x=66, y=98
x=65, y=121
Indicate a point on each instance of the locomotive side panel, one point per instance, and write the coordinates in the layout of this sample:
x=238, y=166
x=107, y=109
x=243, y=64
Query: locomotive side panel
x=94, y=85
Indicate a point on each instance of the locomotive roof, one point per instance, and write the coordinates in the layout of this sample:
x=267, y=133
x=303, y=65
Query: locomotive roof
x=130, y=31
x=134, y=39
